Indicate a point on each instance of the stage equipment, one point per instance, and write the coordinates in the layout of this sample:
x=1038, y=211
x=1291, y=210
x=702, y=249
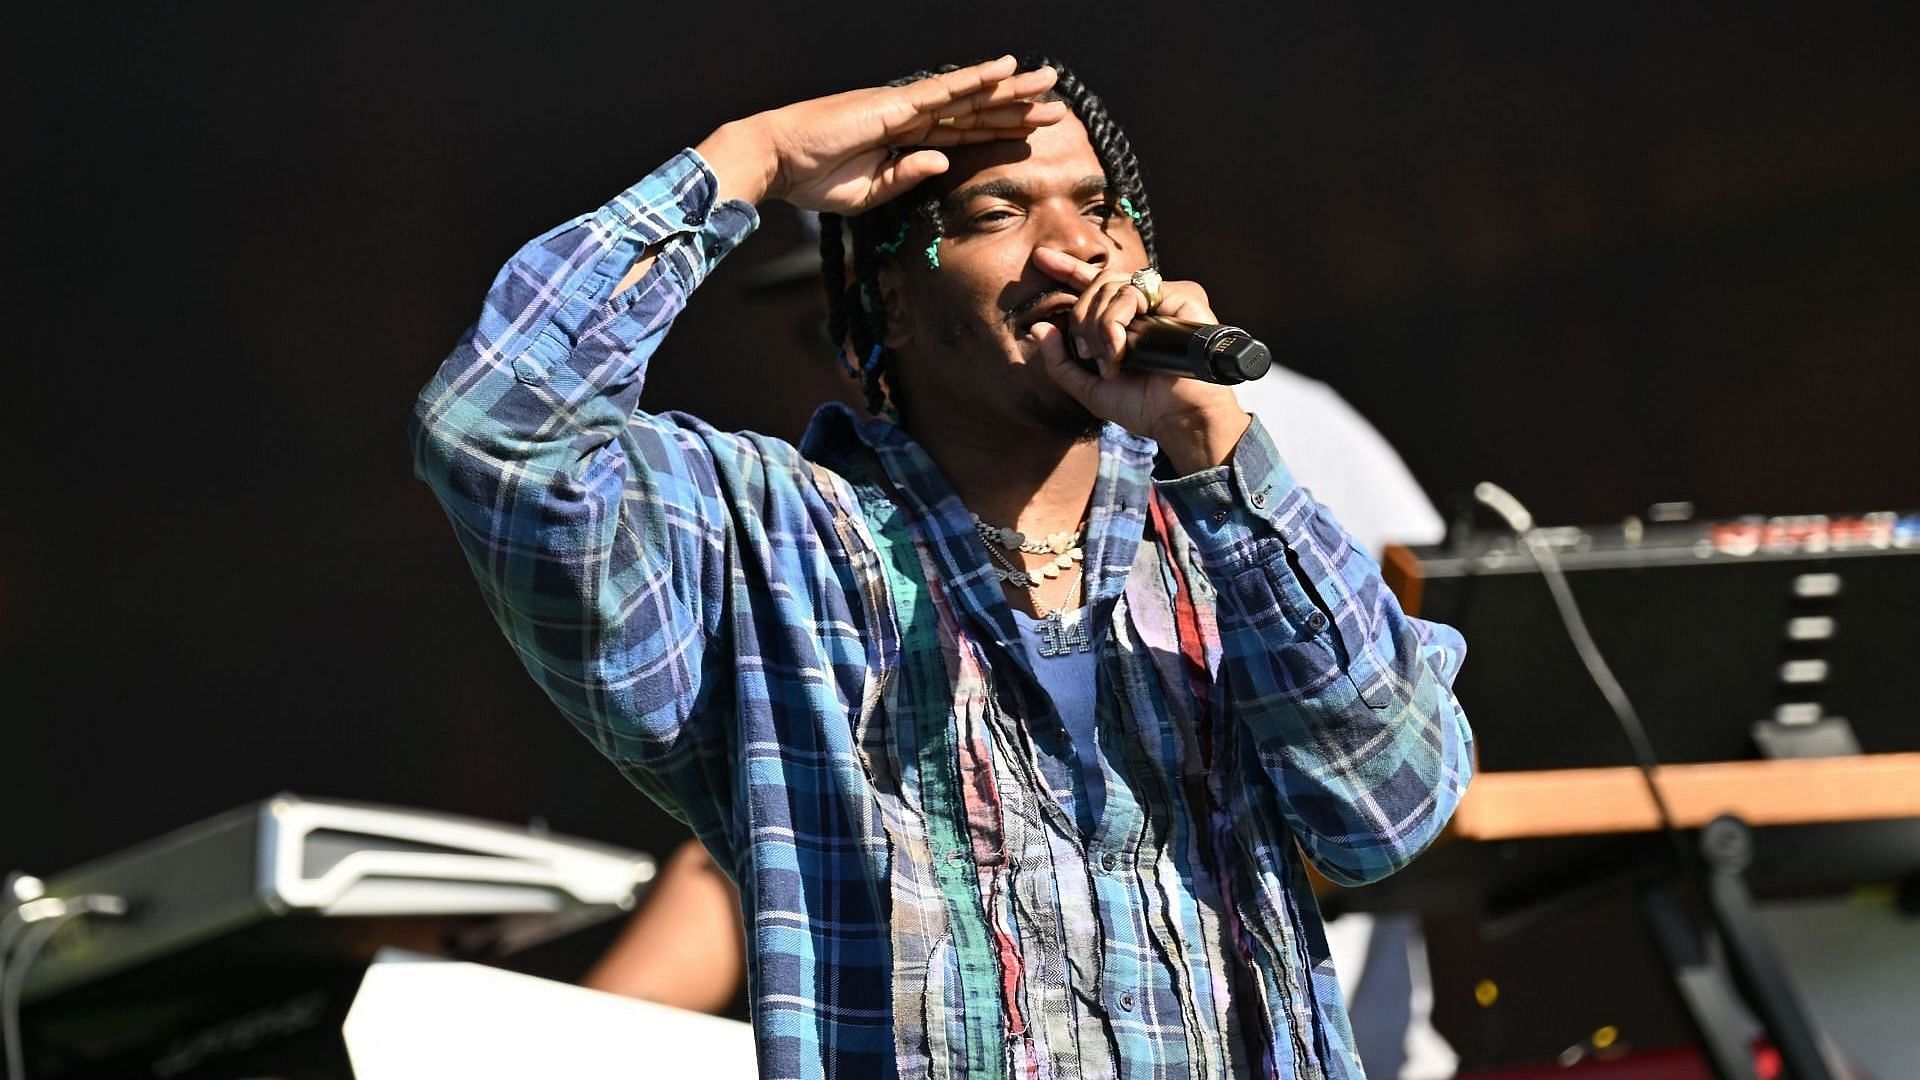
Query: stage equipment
x=424, y=1017
x=1729, y=637
x=1774, y=637
x=245, y=936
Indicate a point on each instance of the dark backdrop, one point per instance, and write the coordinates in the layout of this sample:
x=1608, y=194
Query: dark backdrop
x=1606, y=256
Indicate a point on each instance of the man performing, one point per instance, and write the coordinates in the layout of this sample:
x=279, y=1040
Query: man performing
x=1012, y=710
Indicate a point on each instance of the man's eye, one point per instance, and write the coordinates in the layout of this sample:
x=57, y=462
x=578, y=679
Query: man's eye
x=1103, y=210
x=991, y=217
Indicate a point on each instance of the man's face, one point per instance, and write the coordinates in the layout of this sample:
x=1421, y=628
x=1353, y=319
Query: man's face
x=960, y=332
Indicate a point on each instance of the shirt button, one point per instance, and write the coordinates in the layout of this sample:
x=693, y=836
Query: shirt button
x=1218, y=518
x=1126, y=1001
x=1260, y=498
x=696, y=217
x=1108, y=861
x=1316, y=622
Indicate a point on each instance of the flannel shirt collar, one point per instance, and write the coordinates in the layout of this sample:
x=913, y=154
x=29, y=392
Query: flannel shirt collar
x=944, y=526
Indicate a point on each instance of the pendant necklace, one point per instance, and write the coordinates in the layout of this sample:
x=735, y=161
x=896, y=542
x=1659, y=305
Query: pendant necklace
x=1062, y=630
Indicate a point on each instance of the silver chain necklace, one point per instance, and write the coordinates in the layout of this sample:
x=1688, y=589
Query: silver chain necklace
x=1062, y=630
x=1063, y=547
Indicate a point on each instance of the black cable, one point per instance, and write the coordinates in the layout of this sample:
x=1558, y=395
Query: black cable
x=1783, y=1019
x=1520, y=520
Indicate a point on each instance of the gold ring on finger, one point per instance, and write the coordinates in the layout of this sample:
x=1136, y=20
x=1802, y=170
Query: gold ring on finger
x=1148, y=282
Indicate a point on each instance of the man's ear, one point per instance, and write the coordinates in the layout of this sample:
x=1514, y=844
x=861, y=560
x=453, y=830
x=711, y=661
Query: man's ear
x=893, y=302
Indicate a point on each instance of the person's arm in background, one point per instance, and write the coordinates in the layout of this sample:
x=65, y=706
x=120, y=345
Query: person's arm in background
x=685, y=947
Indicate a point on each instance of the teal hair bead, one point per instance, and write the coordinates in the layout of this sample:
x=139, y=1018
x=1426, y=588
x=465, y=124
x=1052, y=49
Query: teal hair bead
x=893, y=245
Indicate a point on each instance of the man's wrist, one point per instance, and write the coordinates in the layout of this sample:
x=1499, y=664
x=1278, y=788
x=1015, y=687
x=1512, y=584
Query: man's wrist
x=1204, y=439
x=743, y=160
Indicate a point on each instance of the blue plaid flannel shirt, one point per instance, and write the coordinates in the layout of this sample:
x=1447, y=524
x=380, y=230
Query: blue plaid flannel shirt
x=804, y=655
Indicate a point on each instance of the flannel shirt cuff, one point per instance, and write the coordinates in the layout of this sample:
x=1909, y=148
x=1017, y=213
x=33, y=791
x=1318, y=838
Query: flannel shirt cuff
x=674, y=207
x=1239, y=512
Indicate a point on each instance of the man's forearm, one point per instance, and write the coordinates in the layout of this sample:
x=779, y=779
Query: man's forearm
x=1332, y=678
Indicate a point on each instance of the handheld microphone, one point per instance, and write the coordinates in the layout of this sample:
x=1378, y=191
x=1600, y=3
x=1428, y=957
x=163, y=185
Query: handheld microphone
x=1215, y=354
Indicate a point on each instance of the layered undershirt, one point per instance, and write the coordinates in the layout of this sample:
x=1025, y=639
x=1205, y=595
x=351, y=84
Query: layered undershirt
x=1068, y=680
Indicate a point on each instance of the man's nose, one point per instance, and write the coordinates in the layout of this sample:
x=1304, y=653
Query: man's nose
x=1077, y=235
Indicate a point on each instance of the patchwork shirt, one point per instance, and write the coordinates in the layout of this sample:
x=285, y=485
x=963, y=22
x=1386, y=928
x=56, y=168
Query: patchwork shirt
x=804, y=654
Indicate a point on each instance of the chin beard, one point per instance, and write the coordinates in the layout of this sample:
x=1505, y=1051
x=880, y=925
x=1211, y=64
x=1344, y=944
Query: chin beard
x=1060, y=413
x=1050, y=407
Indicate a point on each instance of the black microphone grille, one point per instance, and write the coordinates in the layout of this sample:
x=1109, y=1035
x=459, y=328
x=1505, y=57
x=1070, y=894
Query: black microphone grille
x=1237, y=356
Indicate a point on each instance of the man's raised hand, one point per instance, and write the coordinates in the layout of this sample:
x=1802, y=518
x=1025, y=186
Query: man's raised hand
x=1196, y=423
x=850, y=152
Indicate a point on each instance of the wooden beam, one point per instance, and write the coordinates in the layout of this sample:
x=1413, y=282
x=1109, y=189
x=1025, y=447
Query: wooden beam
x=1575, y=802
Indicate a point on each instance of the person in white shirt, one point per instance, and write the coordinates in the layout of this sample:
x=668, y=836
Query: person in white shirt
x=1349, y=466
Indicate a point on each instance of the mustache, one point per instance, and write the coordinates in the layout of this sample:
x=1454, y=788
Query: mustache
x=1039, y=298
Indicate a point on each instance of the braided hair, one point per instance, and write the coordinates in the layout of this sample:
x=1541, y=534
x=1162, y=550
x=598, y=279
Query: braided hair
x=856, y=319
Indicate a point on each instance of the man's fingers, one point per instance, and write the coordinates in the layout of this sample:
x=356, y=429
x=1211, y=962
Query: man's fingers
x=1017, y=114
x=1118, y=317
x=1065, y=268
x=970, y=91
x=931, y=93
x=948, y=136
x=902, y=173
x=1121, y=303
x=1095, y=314
x=1023, y=87
x=1089, y=344
x=1102, y=316
x=911, y=108
x=1060, y=366
x=1008, y=122
x=1185, y=300
x=986, y=97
